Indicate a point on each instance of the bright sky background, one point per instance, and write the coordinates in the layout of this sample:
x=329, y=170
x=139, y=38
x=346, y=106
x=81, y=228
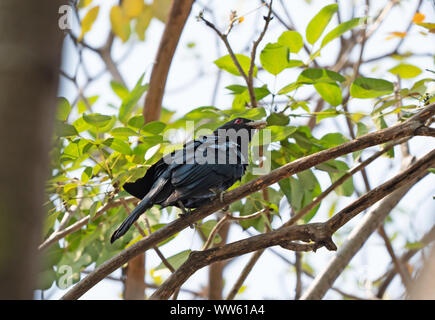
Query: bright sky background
x=190, y=85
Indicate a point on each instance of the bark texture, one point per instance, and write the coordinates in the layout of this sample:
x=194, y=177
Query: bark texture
x=30, y=51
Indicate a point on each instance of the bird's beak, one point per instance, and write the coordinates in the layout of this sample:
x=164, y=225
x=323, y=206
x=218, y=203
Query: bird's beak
x=257, y=124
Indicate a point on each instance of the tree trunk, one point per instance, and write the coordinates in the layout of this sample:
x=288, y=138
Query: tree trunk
x=134, y=285
x=30, y=51
x=216, y=270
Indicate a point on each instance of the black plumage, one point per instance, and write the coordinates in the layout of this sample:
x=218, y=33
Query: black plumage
x=190, y=177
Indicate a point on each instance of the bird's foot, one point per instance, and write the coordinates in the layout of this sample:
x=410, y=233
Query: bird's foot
x=219, y=194
x=185, y=212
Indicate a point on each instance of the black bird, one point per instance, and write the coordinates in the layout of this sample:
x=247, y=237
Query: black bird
x=190, y=177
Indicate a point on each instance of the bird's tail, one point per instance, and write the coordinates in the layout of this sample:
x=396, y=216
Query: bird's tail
x=128, y=222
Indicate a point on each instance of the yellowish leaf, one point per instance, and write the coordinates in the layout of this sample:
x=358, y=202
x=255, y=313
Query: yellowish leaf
x=120, y=23
x=132, y=8
x=88, y=21
x=428, y=25
x=418, y=17
x=143, y=21
x=156, y=277
x=357, y=116
x=241, y=19
x=396, y=34
x=161, y=9
x=84, y=3
x=242, y=289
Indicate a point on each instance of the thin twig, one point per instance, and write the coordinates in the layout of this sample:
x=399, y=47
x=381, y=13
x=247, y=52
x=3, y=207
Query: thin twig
x=404, y=258
x=244, y=274
x=250, y=83
x=227, y=217
x=81, y=223
x=400, y=268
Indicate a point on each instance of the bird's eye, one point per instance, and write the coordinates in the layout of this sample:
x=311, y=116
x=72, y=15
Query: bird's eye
x=238, y=121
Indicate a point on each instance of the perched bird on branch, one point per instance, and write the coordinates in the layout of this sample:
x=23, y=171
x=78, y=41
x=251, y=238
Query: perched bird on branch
x=192, y=176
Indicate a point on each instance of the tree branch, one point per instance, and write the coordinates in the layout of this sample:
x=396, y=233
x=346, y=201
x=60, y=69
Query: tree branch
x=404, y=129
x=319, y=233
x=360, y=234
x=178, y=15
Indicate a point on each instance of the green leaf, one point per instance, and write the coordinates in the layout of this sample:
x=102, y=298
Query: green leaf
x=63, y=109
x=414, y=245
x=277, y=119
x=346, y=189
x=405, y=71
x=105, y=128
x=46, y=279
x=86, y=175
x=274, y=58
x=292, y=40
x=289, y=88
x=154, y=127
x=69, y=186
x=249, y=113
x=330, y=92
x=307, y=179
x=208, y=112
x=137, y=122
x=120, y=90
x=123, y=133
x=277, y=133
x=50, y=221
x=206, y=229
x=241, y=100
x=82, y=106
x=384, y=105
x=341, y=29
x=176, y=260
x=64, y=129
x=236, y=88
x=333, y=139
x=316, y=75
x=365, y=88
x=361, y=129
x=295, y=63
x=227, y=64
x=296, y=193
x=318, y=24
x=131, y=99
x=93, y=209
x=118, y=145
x=96, y=119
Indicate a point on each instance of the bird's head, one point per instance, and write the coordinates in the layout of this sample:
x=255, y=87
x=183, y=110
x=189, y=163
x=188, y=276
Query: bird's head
x=239, y=126
x=242, y=123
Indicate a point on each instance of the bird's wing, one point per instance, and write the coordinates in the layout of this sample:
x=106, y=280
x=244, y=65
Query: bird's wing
x=143, y=185
x=191, y=179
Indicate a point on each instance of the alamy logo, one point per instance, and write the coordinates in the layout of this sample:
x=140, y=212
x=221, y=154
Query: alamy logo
x=65, y=20
x=66, y=280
